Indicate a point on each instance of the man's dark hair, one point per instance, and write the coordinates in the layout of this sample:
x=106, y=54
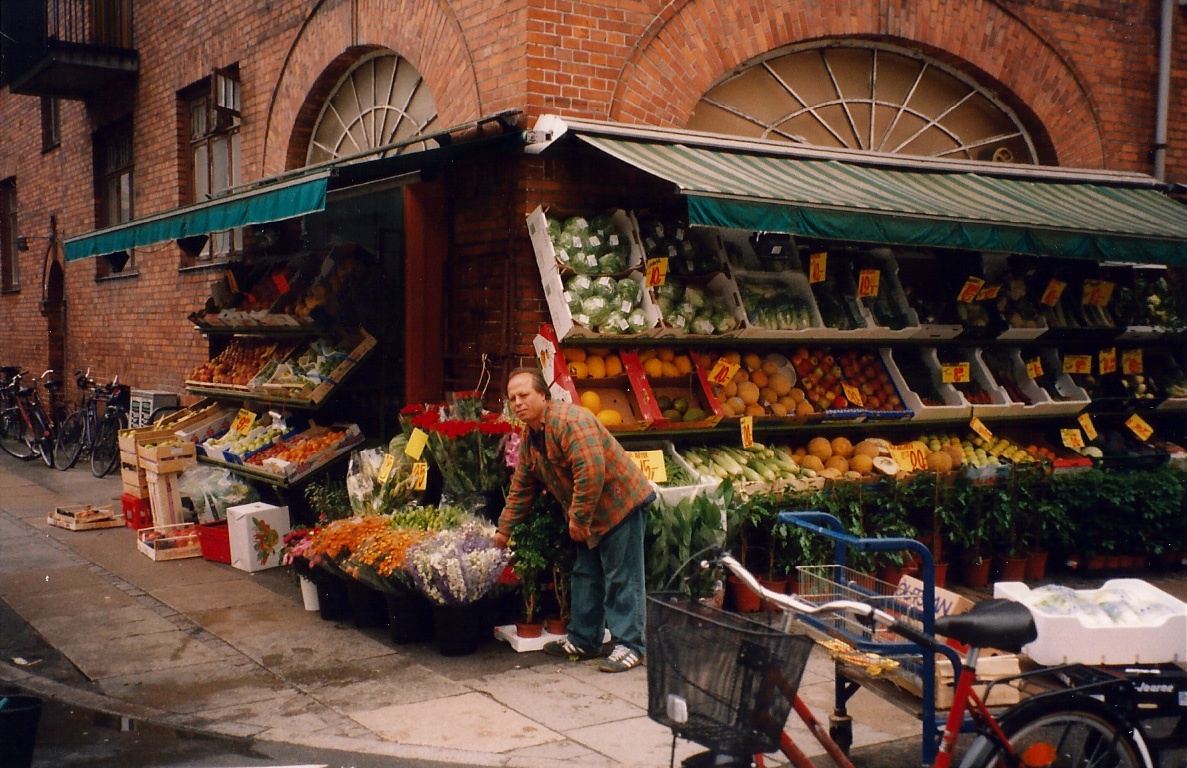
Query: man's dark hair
x=537, y=375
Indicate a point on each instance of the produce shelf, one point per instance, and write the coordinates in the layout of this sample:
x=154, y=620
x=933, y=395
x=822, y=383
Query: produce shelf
x=280, y=481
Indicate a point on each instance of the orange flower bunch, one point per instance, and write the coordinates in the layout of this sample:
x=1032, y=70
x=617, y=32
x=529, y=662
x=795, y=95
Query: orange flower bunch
x=341, y=537
x=387, y=550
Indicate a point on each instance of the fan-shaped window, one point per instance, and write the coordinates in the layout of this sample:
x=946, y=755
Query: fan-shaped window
x=380, y=101
x=865, y=96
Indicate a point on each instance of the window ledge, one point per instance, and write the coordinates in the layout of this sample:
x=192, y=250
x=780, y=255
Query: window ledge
x=11, y=289
x=205, y=266
x=118, y=276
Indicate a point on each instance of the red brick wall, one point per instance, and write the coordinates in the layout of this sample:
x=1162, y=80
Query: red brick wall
x=1083, y=73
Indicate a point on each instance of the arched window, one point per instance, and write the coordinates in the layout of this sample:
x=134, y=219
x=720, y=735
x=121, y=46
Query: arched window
x=381, y=100
x=865, y=96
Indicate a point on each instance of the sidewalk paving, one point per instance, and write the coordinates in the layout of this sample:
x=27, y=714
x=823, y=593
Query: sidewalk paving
x=199, y=645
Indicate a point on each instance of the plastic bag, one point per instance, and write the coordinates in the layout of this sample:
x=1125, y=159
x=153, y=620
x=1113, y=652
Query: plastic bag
x=212, y=489
x=378, y=481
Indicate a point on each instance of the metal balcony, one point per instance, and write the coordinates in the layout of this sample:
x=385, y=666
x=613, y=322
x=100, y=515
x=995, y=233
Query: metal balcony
x=70, y=49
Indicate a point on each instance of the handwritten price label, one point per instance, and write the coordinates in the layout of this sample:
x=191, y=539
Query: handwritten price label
x=651, y=463
x=957, y=373
x=1108, y=360
x=723, y=371
x=972, y=287
x=1034, y=368
x=1097, y=292
x=657, y=272
x=979, y=427
x=910, y=457
x=853, y=395
x=385, y=469
x=989, y=292
x=1077, y=363
x=747, y=431
x=1087, y=425
x=243, y=421
x=1072, y=438
x=420, y=475
x=232, y=283
x=1131, y=361
x=282, y=283
x=416, y=443
x=817, y=264
x=1053, y=292
x=868, y=282
x=546, y=356
x=1139, y=427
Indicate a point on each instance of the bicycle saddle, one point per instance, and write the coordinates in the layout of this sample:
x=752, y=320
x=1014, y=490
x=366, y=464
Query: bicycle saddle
x=24, y=392
x=8, y=371
x=53, y=385
x=1002, y=624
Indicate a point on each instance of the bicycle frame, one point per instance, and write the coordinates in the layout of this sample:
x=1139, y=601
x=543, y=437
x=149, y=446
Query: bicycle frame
x=23, y=403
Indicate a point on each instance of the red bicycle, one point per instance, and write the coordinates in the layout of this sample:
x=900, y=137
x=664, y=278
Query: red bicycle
x=25, y=430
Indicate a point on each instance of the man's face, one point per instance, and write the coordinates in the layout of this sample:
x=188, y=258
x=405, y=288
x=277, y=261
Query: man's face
x=526, y=403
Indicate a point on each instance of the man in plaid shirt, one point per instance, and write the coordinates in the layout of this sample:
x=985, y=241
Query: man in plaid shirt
x=570, y=453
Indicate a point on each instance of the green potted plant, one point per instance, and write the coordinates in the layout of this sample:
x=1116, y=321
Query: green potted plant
x=530, y=545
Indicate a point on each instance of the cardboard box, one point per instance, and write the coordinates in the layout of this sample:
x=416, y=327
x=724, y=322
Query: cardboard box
x=167, y=457
x=989, y=669
x=84, y=517
x=169, y=542
x=910, y=593
x=257, y=531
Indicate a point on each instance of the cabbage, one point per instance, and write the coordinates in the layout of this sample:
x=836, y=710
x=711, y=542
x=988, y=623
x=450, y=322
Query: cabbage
x=637, y=321
x=671, y=290
x=606, y=287
x=723, y=320
x=615, y=323
x=612, y=263
x=686, y=310
x=695, y=297
x=629, y=290
x=574, y=302
x=580, y=286
x=666, y=305
x=562, y=256
x=584, y=262
x=596, y=309
x=701, y=326
x=554, y=228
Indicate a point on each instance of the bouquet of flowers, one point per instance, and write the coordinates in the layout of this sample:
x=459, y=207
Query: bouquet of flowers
x=457, y=567
x=378, y=481
x=469, y=453
x=381, y=561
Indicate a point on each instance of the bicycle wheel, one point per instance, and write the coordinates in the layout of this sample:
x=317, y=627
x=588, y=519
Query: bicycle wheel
x=1062, y=739
x=14, y=435
x=43, y=437
x=105, y=454
x=68, y=445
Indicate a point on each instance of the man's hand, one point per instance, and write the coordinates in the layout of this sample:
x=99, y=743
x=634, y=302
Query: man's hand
x=501, y=540
x=577, y=532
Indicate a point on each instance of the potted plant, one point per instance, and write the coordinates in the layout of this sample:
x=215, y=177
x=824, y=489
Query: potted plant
x=530, y=543
x=679, y=534
x=562, y=553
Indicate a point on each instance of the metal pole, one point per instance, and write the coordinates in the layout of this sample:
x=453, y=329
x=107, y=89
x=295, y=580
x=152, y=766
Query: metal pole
x=1165, y=35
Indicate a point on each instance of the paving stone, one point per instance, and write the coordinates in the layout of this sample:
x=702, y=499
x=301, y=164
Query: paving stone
x=253, y=619
x=129, y=621
x=308, y=647
x=159, y=651
x=212, y=595
x=371, y=684
x=195, y=688
x=636, y=741
x=74, y=602
x=556, y=700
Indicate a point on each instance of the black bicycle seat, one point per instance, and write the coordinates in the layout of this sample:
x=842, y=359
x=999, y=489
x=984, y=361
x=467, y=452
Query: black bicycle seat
x=1002, y=624
x=24, y=392
x=53, y=386
x=9, y=371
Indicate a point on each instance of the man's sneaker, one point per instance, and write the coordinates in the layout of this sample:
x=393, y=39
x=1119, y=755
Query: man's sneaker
x=621, y=659
x=569, y=651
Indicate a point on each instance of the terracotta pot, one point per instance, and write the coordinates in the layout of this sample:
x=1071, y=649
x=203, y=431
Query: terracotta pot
x=892, y=574
x=941, y=574
x=744, y=601
x=1036, y=566
x=1011, y=568
x=556, y=626
x=1112, y=562
x=1095, y=563
x=525, y=629
x=976, y=572
x=775, y=585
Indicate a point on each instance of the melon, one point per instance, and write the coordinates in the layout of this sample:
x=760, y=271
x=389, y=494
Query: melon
x=754, y=409
x=748, y=392
x=939, y=461
x=842, y=447
x=861, y=462
x=956, y=453
x=821, y=448
x=804, y=408
x=780, y=383
x=767, y=395
x=886, y=465
x=812, y=462
x=839, y=463
x=610, y=417
x=867, y=448
x=797, y=394
x=832, y=473
x=779, y=409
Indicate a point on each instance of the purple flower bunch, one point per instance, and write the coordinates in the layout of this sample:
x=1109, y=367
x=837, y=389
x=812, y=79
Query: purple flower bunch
x=457, y=567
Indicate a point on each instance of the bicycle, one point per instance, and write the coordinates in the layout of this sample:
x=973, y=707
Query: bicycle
x=729, y=683
x=25, y=430
x=94, y=427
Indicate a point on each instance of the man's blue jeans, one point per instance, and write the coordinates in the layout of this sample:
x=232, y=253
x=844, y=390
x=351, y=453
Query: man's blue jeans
x=608, y=587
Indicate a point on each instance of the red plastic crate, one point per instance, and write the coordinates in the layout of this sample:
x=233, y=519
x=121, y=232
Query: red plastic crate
x=215, y=539
x=137, y=512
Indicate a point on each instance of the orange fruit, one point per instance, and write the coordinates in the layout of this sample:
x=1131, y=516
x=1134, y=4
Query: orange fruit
x=653, y=367
x=575, y=355
x=613, y=365
x=579, y=370
x=683, y=364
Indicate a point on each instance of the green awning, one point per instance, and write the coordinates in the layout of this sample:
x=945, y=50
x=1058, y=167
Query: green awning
x=269, y=202
x=847, y=200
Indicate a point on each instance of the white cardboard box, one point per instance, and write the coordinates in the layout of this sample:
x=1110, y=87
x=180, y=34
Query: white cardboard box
x=256, y=531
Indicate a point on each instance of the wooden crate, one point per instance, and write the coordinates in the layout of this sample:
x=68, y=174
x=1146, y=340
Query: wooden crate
x=85, y=517
x=169, y=542
x=167, y=457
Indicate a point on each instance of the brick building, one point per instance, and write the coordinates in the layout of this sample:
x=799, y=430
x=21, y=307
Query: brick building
x=176, y=100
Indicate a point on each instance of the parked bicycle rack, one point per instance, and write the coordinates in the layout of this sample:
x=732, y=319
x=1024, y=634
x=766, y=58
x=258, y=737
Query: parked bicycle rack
x=838, y=581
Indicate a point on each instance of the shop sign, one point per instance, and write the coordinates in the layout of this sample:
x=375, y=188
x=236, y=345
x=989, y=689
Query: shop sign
x=651, y=464
x=853, y=394
x=1097, y=292
x=243, y=421
x=1131, y=361
x=1086, y=423
x=1053, y=292
x=979, y=427
x=747, y=431
x=1077, y=363
x=958, y=373
x=989, y=292
x=868, y=282
x=385, y=469
x=817, y=264
x=420, y=475
x=1108, y=360
x=1072, y=438
x=1139, y=427
x=971, y=289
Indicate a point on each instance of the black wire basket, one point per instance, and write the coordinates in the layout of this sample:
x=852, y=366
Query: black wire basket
x=719, y=679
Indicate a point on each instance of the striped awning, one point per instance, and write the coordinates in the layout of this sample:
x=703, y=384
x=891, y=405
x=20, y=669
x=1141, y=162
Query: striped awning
x=853, y=201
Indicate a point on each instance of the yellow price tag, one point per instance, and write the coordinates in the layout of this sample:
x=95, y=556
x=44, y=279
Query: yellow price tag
x=853, y=395
x=910, y=457
x=385, y=469
x=243, y=421
x=817, y=267
x=989, y=292
x=420, y=475
x=651, y=463
x=868, y=282
x=1072, y=438
x=979, y=427
x=416, y=443
x=1097, y=292
x=1034, y=368
x=1087, y=425
x=1131, y=361
x=1053, y=292
x=747, y=431
x=1108, y=360
x=1077, y=363
x=958, y=373
x=1139, y=427
x=723, y=371
x=970, y=290
x=657, y=271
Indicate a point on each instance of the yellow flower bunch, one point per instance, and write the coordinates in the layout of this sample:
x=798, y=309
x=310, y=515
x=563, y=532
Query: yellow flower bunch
x=341, y=537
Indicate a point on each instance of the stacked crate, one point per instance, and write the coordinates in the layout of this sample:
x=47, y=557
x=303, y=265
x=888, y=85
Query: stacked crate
x=162, y=461
x=134, y=496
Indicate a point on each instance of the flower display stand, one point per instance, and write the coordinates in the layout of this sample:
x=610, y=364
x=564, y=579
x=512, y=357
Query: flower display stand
x=410, y=618
x=507, y=634
x=458, y=629
x=333, y=602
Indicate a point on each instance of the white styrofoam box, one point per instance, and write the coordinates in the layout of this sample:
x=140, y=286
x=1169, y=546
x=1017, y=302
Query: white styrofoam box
x=257, y=532
x=954, y=406
x=723, y=286
x=793, y=284
x=677, y=493
x=892, y=289
x=1071, y=639
x=1077, y=399
x=1142, y=332
x=1001, y=405
x=1041, y=402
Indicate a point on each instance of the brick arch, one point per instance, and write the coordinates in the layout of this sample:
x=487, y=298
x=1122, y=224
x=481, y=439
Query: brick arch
x=694, y=43
x=428, y=35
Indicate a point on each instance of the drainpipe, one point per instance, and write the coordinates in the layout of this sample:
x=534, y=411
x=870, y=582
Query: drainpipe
x=1165, y=35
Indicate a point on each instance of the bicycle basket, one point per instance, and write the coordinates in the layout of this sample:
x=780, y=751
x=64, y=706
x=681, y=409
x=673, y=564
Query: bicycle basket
x=719, y=679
